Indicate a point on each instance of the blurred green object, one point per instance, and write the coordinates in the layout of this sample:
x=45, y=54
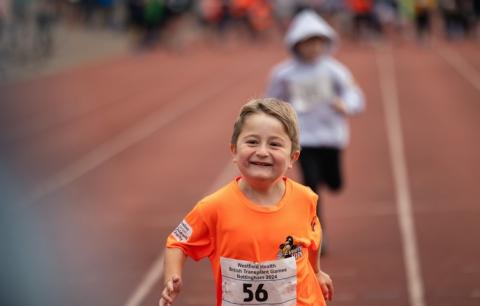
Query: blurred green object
x=407, y=9
x=154, y=12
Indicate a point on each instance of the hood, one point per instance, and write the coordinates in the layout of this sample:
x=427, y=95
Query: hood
x=308, y=24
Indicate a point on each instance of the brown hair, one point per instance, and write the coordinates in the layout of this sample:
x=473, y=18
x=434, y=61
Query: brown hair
x=278, y=109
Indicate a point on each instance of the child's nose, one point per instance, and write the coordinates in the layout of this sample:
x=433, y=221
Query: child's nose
x=262, y=150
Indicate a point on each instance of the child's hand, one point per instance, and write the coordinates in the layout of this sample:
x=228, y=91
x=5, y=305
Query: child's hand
x=340, y=107
x=171, y=290
x=326, y=284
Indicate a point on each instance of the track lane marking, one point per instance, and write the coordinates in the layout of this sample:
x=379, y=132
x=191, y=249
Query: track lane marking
x=460, y=65
x=149, y=280
x=124, y=140
x=386, y=68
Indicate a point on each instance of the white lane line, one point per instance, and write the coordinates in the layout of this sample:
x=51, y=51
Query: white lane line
x=460, y=65
x=154, y=274
x=151, y=278
x=123, y=141
x=388, y=87
x=227, y=174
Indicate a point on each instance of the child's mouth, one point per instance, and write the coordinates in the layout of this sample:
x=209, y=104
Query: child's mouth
x=263, y=164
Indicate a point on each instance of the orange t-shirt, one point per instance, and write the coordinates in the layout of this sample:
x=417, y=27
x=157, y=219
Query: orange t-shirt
x=227, y=227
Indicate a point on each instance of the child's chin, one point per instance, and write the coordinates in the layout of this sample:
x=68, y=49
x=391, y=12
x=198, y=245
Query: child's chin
x=261, y=175
x=264, y=178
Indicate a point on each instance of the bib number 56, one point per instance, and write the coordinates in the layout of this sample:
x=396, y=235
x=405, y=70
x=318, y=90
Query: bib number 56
x=260, y=295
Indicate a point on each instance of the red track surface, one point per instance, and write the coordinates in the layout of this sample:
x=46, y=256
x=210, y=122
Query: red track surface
x=105, y=227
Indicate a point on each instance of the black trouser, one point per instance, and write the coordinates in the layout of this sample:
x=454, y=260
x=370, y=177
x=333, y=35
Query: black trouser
x=321, y=166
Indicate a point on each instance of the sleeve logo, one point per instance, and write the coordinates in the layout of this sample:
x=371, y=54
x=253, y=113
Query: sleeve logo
x=182, y=232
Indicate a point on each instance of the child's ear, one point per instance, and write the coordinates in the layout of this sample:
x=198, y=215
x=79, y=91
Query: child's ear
x=293, y=158
x=233, y=151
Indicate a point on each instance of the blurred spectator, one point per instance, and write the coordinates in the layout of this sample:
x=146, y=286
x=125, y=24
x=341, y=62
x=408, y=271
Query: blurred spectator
x=388, y=16
x=209, y=11
x=106, y=8
x=458, y=17
x=135, y=14
x=3, y=18
x=88, y=10
x=19, y=27
x=45, y=15
x=282, y=11
x=154, y=14
x=177, y=15
x=423, y=18
x=476, y=14
x=238, y=18
x=365, y=22
x=467, y=16
x=159, y=21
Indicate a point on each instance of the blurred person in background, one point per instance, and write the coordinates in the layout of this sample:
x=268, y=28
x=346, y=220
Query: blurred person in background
x=451, y=18
x=388, y=15
x=476, y=14
x=423, y=19
x=45, y=15
x=3, y=36
x=234, y=19
x=364, y=21
x=246, y=18
x=3, y=19
x=21, y=15
x=154, y=16
x=258, y=15
x=466, y=16
x=324, y=94
x=176, y=26
x=88, y=10
x=213, y=16
x=135, y=18
x=106, y=8
x=458, y=17
x=282, y=11
x=159, y=22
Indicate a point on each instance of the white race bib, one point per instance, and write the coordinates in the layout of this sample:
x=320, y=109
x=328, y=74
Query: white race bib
x=266, y=283
x=309, y=92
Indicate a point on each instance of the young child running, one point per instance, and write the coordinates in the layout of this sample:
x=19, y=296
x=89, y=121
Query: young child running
x=260, y=231
x=323, y=93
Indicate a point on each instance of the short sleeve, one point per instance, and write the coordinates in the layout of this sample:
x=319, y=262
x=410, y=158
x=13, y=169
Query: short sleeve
x=314, y=230
x=192, y=235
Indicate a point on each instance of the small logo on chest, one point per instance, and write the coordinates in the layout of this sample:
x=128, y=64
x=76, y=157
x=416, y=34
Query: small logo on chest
x=289, y=249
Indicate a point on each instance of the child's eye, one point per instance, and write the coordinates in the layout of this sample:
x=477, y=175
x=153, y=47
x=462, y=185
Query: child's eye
x=276, y=144
x=251, y=141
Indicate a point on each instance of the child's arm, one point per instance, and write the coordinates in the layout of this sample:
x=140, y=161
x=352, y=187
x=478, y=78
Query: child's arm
x=323, y=278
x=174, y=261
x=350, y=99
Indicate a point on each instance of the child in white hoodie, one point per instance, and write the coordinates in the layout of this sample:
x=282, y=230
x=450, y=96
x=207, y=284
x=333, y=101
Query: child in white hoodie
x=324, y=94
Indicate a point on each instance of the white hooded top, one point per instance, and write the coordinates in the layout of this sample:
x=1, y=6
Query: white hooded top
x=312, y=88
x=308, y=24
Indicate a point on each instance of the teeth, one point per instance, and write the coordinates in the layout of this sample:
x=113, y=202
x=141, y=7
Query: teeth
x=261, y=164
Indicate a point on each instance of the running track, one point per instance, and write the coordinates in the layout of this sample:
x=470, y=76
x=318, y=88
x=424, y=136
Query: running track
x=101, y=162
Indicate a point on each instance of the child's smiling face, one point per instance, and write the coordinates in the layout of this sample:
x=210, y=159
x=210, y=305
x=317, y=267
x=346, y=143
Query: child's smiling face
x=263, y=150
